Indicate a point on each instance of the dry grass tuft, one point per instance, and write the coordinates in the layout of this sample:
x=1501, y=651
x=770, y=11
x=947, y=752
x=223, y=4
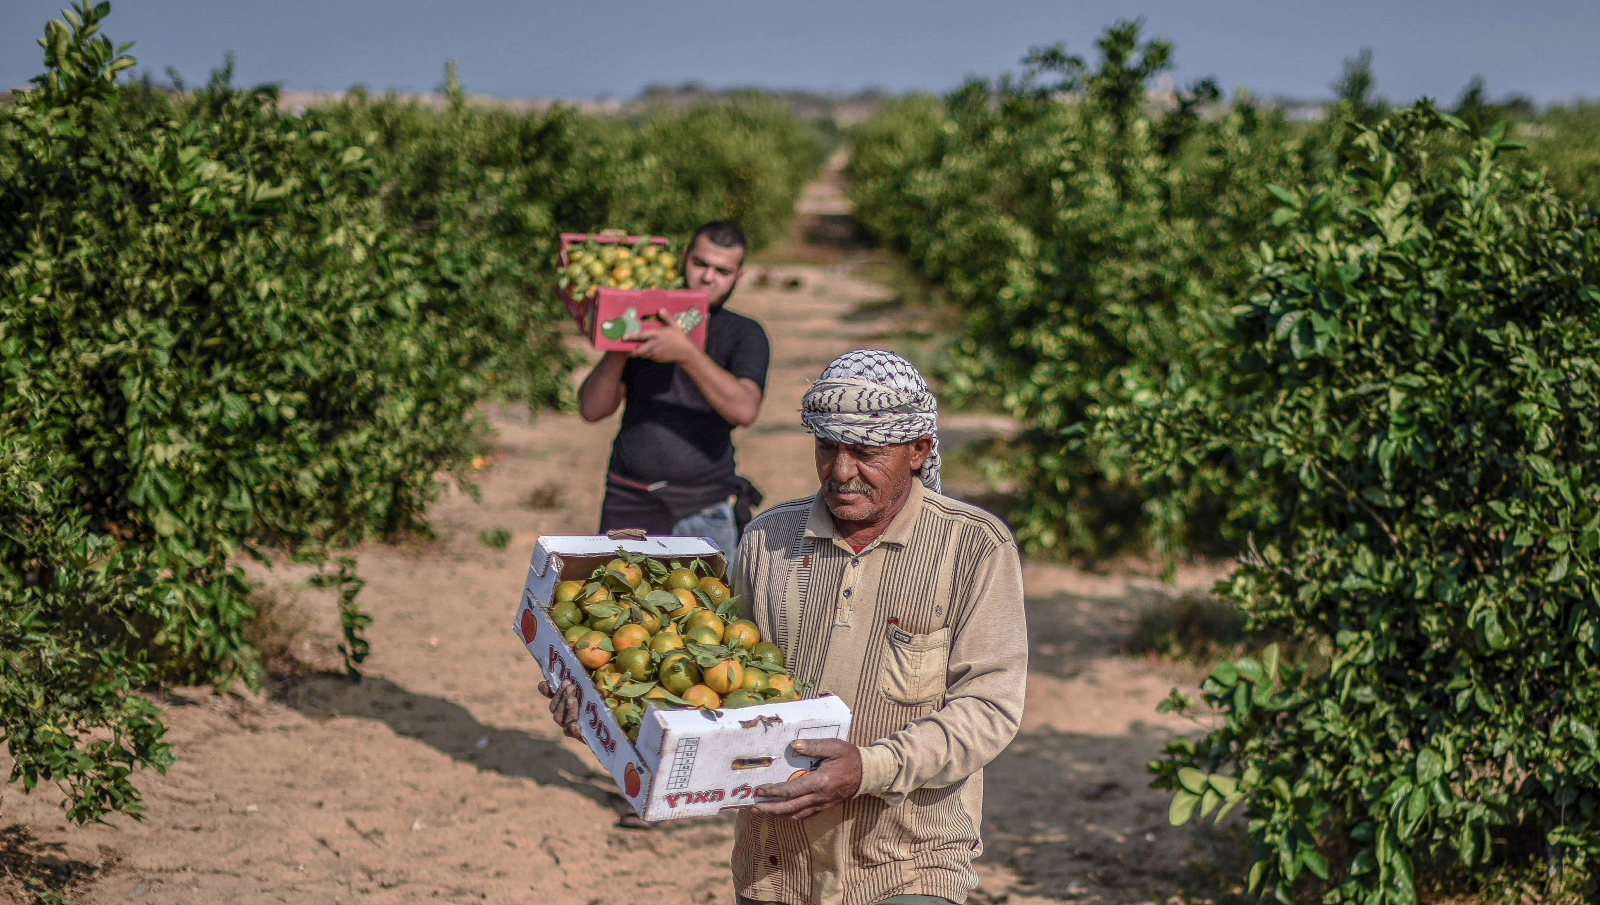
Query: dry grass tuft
x=545, y=496
x=277, y=630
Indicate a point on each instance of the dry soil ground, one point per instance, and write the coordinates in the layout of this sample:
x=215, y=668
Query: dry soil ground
x=440, y=777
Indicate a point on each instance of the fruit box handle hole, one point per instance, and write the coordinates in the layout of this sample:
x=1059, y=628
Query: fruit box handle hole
x=751, y=763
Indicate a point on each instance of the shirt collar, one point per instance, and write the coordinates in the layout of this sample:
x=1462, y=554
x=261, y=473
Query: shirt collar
x=819, y=523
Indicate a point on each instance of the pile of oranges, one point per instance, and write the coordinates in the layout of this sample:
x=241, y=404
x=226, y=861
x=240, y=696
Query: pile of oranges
x=669, y=635
x=642, y=265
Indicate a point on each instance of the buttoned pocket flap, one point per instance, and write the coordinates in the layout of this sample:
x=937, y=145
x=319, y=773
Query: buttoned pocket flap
x=914, y=665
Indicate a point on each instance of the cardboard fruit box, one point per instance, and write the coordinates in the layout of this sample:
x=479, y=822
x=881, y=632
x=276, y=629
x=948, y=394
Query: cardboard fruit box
x=686, y=763
x=606, y=315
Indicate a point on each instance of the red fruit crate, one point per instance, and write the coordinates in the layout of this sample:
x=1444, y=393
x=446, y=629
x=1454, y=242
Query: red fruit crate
x=605, y=315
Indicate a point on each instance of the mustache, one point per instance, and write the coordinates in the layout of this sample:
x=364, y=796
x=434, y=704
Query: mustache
x=855, y=485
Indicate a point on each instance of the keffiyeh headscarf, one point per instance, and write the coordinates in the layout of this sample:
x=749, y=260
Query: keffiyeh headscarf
x=872, y=398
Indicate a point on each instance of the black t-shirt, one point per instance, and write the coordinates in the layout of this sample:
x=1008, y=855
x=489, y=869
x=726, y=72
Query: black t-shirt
x=669, y=431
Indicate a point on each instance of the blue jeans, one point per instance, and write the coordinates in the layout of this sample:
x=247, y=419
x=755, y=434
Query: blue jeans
x=714, y=523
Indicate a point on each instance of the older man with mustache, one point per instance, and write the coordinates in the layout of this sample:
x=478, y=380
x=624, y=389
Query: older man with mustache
x=908, y=605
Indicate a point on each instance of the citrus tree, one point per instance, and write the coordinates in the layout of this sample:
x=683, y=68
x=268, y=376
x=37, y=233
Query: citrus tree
x=211, y=345
x=1091, y=244
x=1413, y=387
x=743, y=158
x=228, y=332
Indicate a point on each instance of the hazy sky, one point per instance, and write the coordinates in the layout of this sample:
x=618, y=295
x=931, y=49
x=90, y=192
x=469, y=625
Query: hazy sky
x=1544, y=48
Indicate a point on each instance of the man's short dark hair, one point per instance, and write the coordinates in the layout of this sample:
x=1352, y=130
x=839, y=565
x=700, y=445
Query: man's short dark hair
x=725, y=233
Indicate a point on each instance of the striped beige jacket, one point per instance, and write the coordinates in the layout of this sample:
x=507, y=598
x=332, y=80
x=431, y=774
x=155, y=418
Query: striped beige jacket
x=922, y=634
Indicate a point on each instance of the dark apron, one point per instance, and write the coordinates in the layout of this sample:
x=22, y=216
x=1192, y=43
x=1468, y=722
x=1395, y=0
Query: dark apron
x=658, y=507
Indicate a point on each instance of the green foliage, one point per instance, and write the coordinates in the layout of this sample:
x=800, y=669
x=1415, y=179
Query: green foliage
x=1355, y=91
x=1194, y=628
x=479, y=196
x=67, y=709
x=225, y=331
x=900, y=143
x=352, y=620
x=744, y=159
x=210, y=344
x=1565, y=143
x=494, y=538
x=1091, y=246
x=1413, y=393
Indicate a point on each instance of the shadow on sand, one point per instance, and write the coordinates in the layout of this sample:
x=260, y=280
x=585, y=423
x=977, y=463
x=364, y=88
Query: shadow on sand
x=32, y=870
x=446, y=727
x=1081, y=823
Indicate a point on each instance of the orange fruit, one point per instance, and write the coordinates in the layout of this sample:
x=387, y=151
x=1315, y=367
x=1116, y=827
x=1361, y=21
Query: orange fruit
x=650, y=621
x=715, y=589
x=678, y=672
x=706, y=618
x=574, y=633
x=665, y=641
x=629, y=570
x=686, y=602
x=681, y=579
x=590, y=653
x=607, y=675
x=568, y=590
x=607, y=624
x=781, y=683
x=754, y=680
x=565, y=614
x=724, y=677
x=702, y=634
x=679, y=681
x=742, y=698
x=635, y=663
x=767, y=652
x=702, y=697
x=630, y=635
x=742, y=632
x=601, y=594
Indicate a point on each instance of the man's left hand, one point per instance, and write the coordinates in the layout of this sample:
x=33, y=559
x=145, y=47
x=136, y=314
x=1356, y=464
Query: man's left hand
x=836, y=778
x=668, y=344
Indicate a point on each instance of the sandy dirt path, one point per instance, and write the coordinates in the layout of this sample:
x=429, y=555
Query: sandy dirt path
x=439, y=777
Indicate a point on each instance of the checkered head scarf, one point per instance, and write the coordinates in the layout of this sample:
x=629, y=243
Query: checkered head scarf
x=872, y=398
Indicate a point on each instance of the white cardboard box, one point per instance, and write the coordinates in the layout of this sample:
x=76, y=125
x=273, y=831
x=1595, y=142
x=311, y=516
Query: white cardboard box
x=687, y=763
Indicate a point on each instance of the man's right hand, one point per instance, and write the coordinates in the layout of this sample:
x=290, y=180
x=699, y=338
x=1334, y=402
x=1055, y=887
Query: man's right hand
x=564, y=706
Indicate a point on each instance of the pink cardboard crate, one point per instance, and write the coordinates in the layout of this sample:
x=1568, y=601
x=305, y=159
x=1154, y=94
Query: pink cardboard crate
x=606, y=315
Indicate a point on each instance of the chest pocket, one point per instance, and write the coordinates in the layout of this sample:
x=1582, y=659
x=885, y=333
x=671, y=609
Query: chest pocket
x=914, y=665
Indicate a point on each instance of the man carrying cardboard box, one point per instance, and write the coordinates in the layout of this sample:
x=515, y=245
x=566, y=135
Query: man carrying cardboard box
x=908, y=606
x=672, y=468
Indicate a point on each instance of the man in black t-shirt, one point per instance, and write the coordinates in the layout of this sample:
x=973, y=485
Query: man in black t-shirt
x=672, y=469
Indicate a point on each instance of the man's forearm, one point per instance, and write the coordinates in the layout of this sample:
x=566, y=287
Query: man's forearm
x=940, y=749
x=602, y=390
x=736, y=399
